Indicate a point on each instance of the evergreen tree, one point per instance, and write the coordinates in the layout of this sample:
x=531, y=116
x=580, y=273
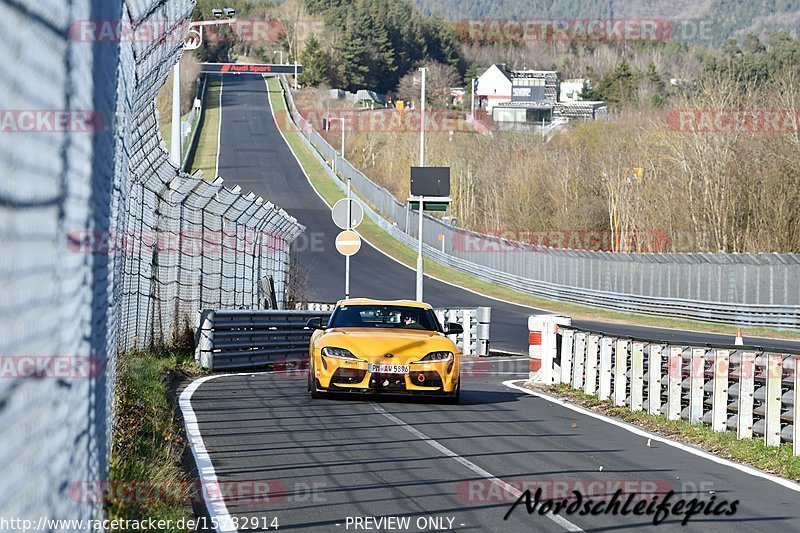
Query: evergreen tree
x=315, y=63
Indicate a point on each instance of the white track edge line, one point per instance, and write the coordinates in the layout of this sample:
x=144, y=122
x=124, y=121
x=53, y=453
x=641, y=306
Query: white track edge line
x=658, y=438
x=560, y=520
x=214, y=503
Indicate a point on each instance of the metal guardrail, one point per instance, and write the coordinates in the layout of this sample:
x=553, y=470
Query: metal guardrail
x=724, y=288
x=731, y=388
x=235, y=339
x=229, y=339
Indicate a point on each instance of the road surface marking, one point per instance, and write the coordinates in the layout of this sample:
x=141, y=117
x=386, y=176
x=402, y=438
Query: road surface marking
x=216, y=507
x=643, y=433
x=560, y=520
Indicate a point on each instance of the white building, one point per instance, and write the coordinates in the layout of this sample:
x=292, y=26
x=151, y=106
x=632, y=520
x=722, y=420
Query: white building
x=571, y=90
x=494, y=87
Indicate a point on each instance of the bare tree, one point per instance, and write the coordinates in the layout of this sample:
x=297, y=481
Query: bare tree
x=438, y=81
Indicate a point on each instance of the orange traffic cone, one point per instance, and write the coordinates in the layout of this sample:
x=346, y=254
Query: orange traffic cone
x=739, y=340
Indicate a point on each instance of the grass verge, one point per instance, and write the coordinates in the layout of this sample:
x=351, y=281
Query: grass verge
x=205, y=155
x=778, y=460
x=147, y=475
x=388, y=244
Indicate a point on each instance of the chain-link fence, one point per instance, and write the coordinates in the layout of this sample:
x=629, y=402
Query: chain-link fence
x=103, y=244
x=747, y=289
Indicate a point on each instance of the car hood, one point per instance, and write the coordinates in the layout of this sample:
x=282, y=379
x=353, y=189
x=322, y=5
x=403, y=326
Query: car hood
x=374, y=342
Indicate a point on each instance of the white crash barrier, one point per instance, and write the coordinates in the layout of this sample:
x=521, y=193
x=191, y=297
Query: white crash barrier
x=731, y=388
x=542, y=334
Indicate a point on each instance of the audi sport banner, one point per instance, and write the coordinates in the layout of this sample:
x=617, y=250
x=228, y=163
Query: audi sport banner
x=249, y=68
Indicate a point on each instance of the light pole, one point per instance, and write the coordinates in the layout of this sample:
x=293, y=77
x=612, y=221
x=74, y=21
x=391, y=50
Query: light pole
x=327, y=127
x=473, y=98
x=420, y=212
x=175, y=142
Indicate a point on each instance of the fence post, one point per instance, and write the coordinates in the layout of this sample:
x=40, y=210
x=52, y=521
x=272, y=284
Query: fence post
x=580, y=355
x=654, y=379
x=747, y=372
x=637, y=376
x=719, y=401
x=604, y=392
x=674, y=378
x=620, y=372
x=590, y=383
x=772, y=431
x=696, y=378
x=567, y=344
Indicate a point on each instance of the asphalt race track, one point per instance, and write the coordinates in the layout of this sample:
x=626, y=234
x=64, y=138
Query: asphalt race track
x=328, y=460
x=331, y=464
x=254, y=155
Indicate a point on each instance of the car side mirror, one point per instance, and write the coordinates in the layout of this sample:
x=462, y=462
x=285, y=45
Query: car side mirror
x=316, y=323
x=451, y=328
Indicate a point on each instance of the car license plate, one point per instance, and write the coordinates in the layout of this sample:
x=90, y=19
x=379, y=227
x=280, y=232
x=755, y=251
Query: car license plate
x=388, y=369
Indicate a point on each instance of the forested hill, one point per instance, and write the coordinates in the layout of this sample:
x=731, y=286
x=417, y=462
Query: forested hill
x=731, y=18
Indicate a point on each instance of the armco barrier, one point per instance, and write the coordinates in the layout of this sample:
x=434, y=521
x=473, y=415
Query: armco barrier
x=743, y=289
x=732, y=388
x=230, y=339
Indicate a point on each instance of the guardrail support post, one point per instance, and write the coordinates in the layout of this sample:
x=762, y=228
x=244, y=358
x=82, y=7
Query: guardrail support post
x=637, y=376
x=674, y=378
x=604, y=391
x=654, y=379
x=466, y=322
x=567, y=345
x=580, y=356
x=696, y=378
x=203, y=355
x=590, y=384
x=535, y=328
x=483, y=318
x=620, y=372
x=719, y=401
x=747, y=372
x=796, y=406
x=772, y=432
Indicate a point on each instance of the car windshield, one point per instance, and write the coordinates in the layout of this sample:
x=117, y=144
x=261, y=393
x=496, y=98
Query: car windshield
x=384, y=316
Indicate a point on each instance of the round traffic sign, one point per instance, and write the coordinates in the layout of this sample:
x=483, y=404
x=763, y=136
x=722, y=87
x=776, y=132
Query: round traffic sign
x=348, y=243
x=339, y=214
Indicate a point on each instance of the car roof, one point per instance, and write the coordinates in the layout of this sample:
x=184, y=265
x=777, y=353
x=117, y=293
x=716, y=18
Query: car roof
x=370, y=301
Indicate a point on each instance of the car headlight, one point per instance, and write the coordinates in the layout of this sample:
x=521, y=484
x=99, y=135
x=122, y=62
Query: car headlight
x=339, y=353
x=438, y=356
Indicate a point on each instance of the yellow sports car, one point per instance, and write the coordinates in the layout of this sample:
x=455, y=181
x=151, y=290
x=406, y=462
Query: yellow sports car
x=384, y=347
